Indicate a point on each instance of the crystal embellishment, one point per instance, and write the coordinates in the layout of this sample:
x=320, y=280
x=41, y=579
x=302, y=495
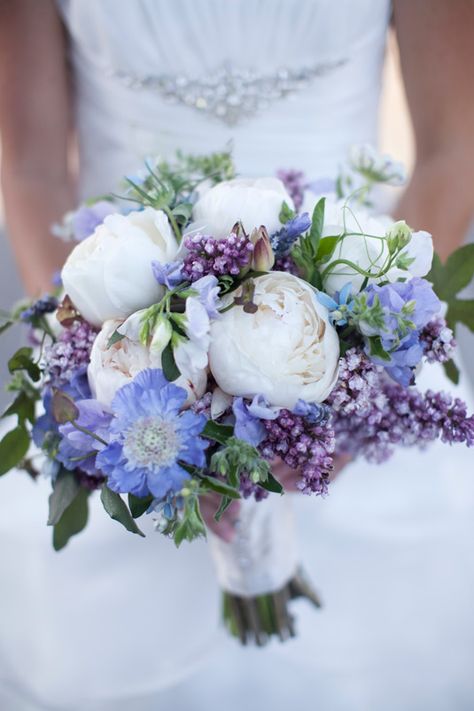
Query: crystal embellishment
x=229, y=94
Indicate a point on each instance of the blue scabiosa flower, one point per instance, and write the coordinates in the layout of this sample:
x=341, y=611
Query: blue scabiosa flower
x=151, y=438
x=339, y=306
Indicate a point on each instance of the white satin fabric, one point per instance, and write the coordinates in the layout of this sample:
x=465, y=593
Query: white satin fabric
x=110, y=621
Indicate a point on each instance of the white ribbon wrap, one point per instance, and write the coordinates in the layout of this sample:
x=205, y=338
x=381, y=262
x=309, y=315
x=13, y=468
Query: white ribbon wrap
x=262, y=558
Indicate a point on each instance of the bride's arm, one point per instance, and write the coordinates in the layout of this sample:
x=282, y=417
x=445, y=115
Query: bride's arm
x=34, y=111
x=437, y=58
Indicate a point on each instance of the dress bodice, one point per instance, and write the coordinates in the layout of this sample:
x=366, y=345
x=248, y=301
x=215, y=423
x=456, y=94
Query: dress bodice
x=291, y=83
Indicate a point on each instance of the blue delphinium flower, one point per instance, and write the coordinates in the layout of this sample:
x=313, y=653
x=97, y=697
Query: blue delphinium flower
x=77, y=449
x=46, y=305
x=283, y=240
x=150, y=437
x=169, y=274
x=339, y=306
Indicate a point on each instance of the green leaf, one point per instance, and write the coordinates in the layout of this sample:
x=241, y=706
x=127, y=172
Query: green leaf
x=223, y=506
x=118, y=511
x=455, y=275
x=73, y=520
x=168, y=363
x=449, y=279
x=326, y=247
x=66, y=488
x=272, y=484
x=22, y=360
x=13, y=448
x=220, y=487
x=23, y=406
x=452, y=371
x=286, y=213
x=192, y=525
x=317, y=224
x=183, y=211
x=460, y=311
x=219, y=433
x=138, y=505
x=114, y=338
x=376, y=348
x=5, y=326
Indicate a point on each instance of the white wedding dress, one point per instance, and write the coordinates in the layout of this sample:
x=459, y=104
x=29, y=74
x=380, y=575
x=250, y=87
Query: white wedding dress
x=118, y=622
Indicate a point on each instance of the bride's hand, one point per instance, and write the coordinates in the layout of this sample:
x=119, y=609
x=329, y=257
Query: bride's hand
x=225, y=528
x=289, y=478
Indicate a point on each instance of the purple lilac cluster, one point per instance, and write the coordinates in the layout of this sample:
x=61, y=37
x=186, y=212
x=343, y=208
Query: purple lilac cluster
x=248, y=489
x=70, y=353
x=295, y=183
x=372, y=414
x=437, y=341
x=207, y=255
x=303, y=446
x=286, y=264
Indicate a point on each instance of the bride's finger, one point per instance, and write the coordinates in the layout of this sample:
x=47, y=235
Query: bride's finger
x=225, y=527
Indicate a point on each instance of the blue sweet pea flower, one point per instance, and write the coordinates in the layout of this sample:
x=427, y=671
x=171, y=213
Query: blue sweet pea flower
x=88, y=217
x=208, y=294
x=249, y=416
x=150, y=438
x=339, y=306
x=396, y=313
x=169, y=274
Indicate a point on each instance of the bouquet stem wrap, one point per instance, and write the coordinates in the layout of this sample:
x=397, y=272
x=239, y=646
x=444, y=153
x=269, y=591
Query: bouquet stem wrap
x=258, y=571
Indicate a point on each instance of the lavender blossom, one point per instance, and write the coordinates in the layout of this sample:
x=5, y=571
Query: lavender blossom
x=207, y=255
x=283, y=240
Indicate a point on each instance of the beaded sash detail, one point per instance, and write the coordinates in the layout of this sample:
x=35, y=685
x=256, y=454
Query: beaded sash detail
x=229, y=94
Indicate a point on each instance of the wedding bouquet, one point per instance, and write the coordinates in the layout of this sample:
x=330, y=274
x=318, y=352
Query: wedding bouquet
x=206, y=327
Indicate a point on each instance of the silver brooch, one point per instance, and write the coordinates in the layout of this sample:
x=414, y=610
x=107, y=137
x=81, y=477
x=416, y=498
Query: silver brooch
x=229, y=94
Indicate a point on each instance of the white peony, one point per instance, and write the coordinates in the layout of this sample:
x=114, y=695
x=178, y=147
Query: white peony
x=109, y=274
x=254, y=202
x=112, y=367
x=285, y=351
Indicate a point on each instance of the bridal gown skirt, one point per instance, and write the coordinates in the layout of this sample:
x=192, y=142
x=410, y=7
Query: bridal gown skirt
x=119, y=622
